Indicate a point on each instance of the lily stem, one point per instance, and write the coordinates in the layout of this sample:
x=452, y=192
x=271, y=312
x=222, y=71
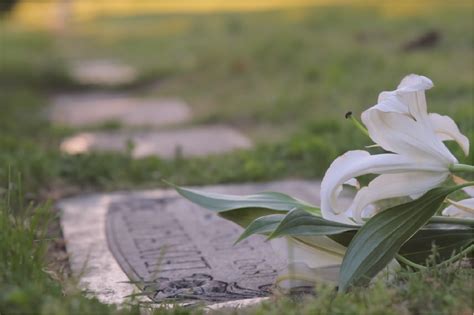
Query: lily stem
x=357, y=123
x=409, y=262
x=462, y=168
x=459, y=255
x=449, y=220
x=454, y=258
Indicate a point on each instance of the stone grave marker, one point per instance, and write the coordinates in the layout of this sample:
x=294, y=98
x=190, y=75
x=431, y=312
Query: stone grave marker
x=103, y=72
x=96, y=108
x=189, y=142
x=170, y=249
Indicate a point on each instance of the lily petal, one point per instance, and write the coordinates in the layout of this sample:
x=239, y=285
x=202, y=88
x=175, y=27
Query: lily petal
x=356, y=163
x=403, y=135
x=412, y=92
x=388, y=186
x=461, y=209
x=469, y=190
x=299, y=275
x=446, y=129
x=409, y=101
x=318, y=252
x=408, y=98
x=389, y=102
x=414, y=83
x=353, y=182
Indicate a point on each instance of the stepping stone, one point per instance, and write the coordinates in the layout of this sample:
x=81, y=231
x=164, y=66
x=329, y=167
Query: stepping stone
x=96, y=108
x=103, y=72
x=190, y=142
x=172, y=250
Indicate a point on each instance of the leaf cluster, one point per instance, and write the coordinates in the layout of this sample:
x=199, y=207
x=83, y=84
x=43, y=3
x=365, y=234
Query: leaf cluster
x=405, y=232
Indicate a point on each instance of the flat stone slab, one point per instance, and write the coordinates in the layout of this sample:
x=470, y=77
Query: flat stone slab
x=172, y=250
x=95, y=108
x=190, y=142
x=103, y=72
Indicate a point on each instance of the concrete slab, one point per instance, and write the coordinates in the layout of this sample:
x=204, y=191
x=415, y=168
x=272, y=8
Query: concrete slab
x=190, y=142
x=103, y=72
x=95, y=108
x=170, y=248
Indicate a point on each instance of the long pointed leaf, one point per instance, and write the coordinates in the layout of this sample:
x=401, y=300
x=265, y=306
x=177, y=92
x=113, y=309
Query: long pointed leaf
x=447, y=241
x=245, y=216
x=446, y=238
x=261, y=225
x=380, y=238
x=222, y=202
x=299, y=222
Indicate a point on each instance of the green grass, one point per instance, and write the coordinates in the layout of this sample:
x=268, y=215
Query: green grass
x=405, y=294
x=28, y=286
x=285, y=79
x=281, y=70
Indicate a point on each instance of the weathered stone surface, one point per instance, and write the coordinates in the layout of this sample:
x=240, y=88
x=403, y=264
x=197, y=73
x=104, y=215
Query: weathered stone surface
x=83, y=225
x=95, y=108
x=171, y=248
x=190, y=142
x=103, y=72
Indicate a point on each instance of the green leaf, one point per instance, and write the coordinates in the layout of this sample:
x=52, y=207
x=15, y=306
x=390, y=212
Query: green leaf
x=261, y=225
x=447, y=239
x=221, y=202
x=380, y=238
x=299, y=222
x=245, y=216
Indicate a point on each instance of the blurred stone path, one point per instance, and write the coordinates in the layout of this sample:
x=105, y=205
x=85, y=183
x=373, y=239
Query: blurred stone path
x=86, y=109
x=188, y=142
x=103, y=72
x=143, y=123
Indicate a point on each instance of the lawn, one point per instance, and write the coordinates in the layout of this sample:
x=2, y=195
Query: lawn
x=284, y=78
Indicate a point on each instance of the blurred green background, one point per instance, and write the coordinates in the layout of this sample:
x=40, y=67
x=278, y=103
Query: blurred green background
x=284, y=73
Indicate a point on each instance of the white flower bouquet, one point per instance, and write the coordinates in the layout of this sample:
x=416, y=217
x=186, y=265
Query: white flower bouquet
x=352, y=244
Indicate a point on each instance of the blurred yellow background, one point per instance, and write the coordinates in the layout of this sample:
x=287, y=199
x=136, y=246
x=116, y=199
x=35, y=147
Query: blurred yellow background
x=48, y=13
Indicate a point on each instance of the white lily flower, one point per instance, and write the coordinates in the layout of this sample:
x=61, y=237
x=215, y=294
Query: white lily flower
x=409, y=99
x=418, y=160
